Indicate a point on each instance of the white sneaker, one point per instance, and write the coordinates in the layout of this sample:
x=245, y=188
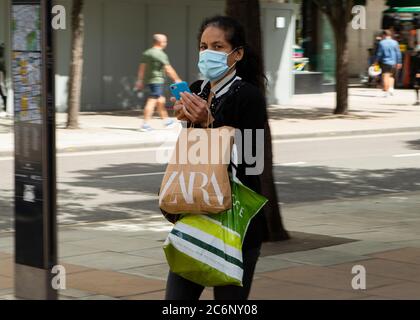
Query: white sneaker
x=3, y=114
x=169, y=124
x=146, y=128
x=385, y=94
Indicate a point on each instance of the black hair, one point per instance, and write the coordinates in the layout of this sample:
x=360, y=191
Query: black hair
x=250, y=68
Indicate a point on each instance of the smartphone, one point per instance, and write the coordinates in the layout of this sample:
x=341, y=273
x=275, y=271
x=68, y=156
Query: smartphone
x=178, y=88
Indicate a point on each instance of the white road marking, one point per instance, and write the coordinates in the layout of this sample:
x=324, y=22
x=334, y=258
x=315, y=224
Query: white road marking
x=408, y=155
x=346, y=137
x=136, y=175
x=290, y=164
x=93, y=153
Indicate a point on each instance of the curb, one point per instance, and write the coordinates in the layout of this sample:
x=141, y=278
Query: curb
x=275, y=137
x=343, y=133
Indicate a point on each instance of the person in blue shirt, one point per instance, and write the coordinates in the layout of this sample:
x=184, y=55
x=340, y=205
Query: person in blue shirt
x=390, y=58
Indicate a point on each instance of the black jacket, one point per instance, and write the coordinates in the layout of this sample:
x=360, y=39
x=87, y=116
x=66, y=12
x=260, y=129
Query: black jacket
x=242, y=107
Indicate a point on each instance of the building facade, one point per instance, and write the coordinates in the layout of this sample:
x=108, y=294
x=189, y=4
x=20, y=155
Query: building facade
x=117, y=32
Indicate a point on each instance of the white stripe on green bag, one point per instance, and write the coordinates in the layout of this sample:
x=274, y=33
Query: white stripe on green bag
x=214, y=220
x=210, y=226
x=206, y=257
x=209, y=239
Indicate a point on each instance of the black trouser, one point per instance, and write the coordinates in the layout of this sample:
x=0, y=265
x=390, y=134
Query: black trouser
x=179, y=288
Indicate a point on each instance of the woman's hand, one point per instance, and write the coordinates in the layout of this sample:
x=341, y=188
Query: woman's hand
x=196, y=109
x=179, y=110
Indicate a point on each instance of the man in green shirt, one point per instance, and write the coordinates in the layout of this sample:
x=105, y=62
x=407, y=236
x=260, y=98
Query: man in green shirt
x=153, y=68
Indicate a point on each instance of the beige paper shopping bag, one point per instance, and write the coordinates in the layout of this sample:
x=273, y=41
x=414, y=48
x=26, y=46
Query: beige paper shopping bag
x=196, y=180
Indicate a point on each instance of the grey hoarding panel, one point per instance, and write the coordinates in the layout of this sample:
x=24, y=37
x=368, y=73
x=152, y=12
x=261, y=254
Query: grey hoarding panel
x=124, y=29
x=278, y=44
x=92, y=90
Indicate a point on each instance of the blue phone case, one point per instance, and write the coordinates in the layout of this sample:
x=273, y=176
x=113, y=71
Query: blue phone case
x=178, y=88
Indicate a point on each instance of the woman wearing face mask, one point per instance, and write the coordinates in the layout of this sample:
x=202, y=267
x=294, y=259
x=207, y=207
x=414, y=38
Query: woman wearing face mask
x=231, y=95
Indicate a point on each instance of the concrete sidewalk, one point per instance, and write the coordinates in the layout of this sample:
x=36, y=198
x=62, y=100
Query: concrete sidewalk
x=125, y=260
x=307, y=116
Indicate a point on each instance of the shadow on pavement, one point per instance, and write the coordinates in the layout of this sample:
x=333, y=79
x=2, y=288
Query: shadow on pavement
x=123, y=177
x=317, y=183
x=294, y=185
x=300, y=241
x=414, y=144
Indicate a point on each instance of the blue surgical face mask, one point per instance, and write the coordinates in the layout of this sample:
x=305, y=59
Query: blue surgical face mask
x=213, y=65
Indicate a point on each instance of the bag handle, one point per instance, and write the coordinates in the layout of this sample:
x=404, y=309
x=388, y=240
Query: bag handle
x=234, y=162
x=209, y=114
x=208, y=119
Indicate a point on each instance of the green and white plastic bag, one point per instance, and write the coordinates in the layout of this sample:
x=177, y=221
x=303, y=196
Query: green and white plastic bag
x=207, y=249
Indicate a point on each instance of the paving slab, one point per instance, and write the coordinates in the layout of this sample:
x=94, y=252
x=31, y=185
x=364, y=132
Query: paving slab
x=114, y=243
x=408, y=255
x=71, y=268
x=271, y=263
x=327, y=278
x=158, y=295
x=74, y=293
x=6, y=282
x=267, y=289
x=155, y=253
x=98, y=297
x=381, y=235
x=364, y=247
x=68, y=250
x=6, y=267
x=157, y=271
x=6, y=242
x=4, y=255
x=408, y=243
x=110, y=261
x=320, y=257
x=387, y=268
x=113, y=284
x=404, y=291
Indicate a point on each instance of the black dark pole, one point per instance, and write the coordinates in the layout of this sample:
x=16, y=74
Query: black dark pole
x=35, y=160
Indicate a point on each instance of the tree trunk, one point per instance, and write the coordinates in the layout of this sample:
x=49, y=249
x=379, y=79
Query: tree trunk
x=340, y=13
x=248, y=13
x=275, y=229
x=342, y=63
x=76, y=71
